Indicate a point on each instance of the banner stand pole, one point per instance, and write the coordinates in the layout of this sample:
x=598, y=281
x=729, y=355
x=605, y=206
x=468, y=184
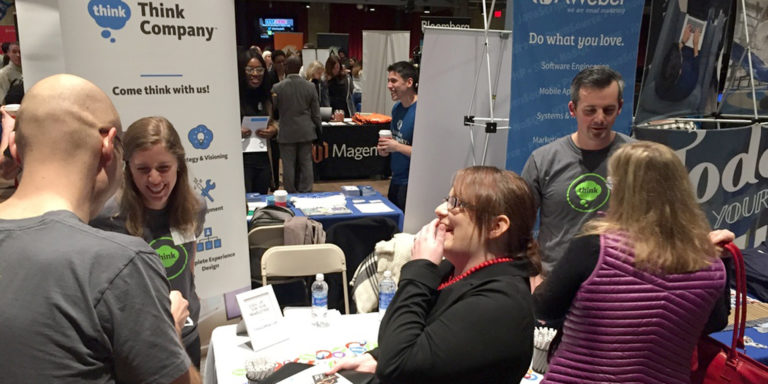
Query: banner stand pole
x=748, y=54
x=491, y=125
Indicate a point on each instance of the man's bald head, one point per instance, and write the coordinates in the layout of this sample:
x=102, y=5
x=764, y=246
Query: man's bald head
x=63, y=116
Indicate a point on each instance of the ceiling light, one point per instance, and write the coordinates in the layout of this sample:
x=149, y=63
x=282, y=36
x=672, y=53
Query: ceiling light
x=371, y=9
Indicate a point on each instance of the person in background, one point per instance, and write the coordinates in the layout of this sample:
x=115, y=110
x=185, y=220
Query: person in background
x=267, y=55
x=314, y=74
x=341, y=54
x=12, y=71
x=81, y=305
x=6, y=59
x=567, y=176
x=158, y=204
x=297, y=110
x=339, y=87
x=403, y=85
x=640, y=282
x=277, y=73
x=255, y=101
x=9, y=168
x=467, y=318
x=357, y=82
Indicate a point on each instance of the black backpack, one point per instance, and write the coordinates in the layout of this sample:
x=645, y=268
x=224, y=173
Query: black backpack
x=269, y=215
x=15, y=92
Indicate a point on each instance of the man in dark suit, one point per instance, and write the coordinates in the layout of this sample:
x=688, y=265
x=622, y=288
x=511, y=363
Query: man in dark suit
x=298, y=111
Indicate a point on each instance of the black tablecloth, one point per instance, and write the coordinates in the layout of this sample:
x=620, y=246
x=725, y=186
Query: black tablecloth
x=349, y=152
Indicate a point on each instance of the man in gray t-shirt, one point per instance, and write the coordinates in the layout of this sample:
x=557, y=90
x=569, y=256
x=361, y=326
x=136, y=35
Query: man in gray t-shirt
x=568, y=175
x=79, y=305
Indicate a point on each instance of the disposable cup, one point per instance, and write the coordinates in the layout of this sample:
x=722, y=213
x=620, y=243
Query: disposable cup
x=12, y=109
x=385, y=133
x=281, y=197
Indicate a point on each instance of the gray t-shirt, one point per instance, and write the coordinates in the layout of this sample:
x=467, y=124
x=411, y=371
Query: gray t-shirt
x=78, y=304
x=177, y=259
x=569, y=185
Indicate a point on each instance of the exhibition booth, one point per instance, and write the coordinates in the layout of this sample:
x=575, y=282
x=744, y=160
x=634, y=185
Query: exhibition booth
x=486, y=97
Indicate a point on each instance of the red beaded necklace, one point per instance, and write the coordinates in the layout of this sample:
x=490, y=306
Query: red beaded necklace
x=473, y=270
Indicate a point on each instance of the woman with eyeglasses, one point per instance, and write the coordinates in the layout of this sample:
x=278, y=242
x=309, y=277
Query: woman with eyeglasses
x=463, y=311
x=157, y=203
x=639, y=286
x=255, y=100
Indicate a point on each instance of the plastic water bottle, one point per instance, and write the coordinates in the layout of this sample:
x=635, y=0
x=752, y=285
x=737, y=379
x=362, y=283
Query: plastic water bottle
x=319, y=301
x=387, y=288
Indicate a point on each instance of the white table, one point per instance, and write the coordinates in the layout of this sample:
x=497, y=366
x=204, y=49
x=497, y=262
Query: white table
x=346, y=335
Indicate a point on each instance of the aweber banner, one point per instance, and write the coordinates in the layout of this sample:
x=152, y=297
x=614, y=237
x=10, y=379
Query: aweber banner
x=729, y=171
x=552, y=41
x=171, y=59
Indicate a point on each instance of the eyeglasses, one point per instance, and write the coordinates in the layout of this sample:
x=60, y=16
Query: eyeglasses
x=454, y=202
x=252, y=70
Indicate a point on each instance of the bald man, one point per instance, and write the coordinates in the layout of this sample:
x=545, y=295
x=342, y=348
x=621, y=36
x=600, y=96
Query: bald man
x=78, y=304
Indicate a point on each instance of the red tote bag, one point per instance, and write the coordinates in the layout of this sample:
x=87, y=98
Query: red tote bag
x=714, y=362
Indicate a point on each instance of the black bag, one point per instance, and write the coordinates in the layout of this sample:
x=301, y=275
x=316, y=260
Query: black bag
x=269, y=215
x=15, y=92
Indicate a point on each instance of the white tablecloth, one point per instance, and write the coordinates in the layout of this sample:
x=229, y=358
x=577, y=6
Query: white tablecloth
x=346, y=335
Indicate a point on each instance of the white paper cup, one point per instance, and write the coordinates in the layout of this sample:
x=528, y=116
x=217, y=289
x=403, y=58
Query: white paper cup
x=12, y=109
x=385, y=133
x=281, y=197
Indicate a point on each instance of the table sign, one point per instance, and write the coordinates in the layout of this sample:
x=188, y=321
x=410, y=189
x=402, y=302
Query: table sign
x=263, y=320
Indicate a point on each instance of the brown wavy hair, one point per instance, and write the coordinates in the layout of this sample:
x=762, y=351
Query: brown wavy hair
x=183, y=205
x=489, y=192
x=652, y=200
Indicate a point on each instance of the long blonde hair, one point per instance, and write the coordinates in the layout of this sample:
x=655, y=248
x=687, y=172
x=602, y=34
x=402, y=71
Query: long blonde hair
x=182, y=203
x=652, y=200
x=309, y=73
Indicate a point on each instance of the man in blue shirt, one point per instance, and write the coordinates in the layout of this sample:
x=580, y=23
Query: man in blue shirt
x=402, y=82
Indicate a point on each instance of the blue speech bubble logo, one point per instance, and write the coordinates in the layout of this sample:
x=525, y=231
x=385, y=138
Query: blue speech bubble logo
x=109, y=14
x=200, y=137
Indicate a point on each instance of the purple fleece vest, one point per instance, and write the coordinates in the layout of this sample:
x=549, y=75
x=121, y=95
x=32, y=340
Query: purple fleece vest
x=629, y=326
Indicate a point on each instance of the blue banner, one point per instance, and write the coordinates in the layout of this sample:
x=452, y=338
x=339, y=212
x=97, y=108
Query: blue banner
x=729, y=171
x=552, y=41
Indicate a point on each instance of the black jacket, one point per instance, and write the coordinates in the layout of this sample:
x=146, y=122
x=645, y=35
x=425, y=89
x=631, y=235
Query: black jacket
x=477, y=330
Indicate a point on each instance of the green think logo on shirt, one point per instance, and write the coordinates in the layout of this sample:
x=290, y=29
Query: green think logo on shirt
x=588, y=193
x=174, y=257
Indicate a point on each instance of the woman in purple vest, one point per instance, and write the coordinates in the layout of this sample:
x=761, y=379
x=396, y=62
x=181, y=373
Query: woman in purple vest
x=467, y=318
x=637, y=289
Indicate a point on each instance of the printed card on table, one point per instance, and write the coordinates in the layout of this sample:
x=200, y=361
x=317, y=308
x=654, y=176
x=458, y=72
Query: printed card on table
x=263, y=320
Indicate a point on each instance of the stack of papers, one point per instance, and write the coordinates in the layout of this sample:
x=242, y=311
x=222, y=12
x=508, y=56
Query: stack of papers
x=327, y=205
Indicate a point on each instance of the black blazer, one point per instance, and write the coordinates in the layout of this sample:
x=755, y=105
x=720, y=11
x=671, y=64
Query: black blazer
x=477, y=330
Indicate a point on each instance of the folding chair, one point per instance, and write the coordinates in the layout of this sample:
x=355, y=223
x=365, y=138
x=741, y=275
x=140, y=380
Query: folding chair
x=305, y=260
x=259, y=240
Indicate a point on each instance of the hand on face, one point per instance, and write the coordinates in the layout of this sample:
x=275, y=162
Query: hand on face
x=429, y=242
